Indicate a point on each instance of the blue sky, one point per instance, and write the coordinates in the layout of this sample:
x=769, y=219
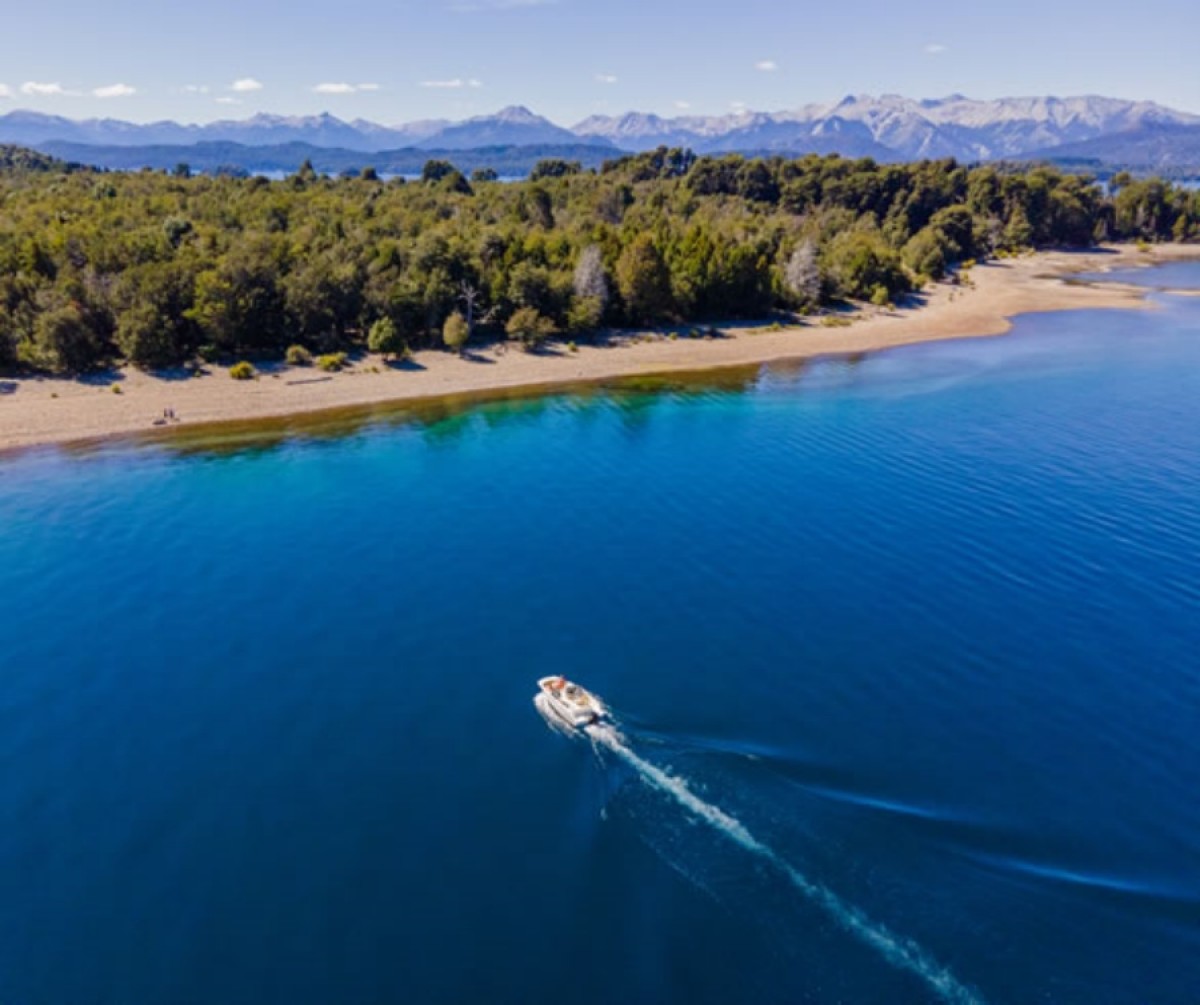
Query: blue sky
x=396, y=61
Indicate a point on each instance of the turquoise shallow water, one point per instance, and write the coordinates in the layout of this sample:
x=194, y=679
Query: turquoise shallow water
x=923, y=624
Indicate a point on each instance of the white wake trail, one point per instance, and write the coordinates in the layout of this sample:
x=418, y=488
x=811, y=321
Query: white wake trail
x=900, y=952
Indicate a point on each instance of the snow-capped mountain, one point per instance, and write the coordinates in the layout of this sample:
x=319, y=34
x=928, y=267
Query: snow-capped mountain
x=903, y=127
x=645, y=131
x=888, y=127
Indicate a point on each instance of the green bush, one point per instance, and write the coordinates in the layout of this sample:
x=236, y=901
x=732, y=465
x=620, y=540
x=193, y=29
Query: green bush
x=925, y=253
x=455, y=332
x=297, y=355
x=385, y=338
x=332, y=362
x=242, y=371
x=529, y=327
x=586, y=314
x=861, y=260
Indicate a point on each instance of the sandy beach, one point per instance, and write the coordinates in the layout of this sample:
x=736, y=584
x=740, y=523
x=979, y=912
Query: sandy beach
x=43, y=410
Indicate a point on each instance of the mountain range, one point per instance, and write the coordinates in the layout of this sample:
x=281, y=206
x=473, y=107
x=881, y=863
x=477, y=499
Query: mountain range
x=892, y=127
x=514, y=126
x=887, y=127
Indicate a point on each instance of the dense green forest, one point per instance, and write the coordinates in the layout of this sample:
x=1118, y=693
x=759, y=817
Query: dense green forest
x=157, y=268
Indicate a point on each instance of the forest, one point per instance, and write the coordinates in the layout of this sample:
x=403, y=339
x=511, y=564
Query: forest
x=157, y=268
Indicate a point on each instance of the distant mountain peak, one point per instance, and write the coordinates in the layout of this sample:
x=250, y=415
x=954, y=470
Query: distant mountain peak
x=517, y=113
x=515, y=125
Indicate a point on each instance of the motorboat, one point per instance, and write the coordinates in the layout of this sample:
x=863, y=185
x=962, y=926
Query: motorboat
x=573, y=704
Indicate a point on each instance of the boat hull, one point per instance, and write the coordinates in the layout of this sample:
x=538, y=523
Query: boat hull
x=571, y=704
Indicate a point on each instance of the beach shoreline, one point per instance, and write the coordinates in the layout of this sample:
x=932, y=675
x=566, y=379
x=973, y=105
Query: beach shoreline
x=41, y=411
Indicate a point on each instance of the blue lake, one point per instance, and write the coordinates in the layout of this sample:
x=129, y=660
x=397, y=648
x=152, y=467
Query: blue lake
x=911, y=641
x=1167, y=276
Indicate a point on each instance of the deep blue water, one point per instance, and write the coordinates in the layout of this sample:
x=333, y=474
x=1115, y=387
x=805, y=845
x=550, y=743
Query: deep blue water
x=926, y=624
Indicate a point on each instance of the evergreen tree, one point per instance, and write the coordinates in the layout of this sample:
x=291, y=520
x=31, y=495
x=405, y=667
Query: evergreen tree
x=385, y=339
x=644, y=282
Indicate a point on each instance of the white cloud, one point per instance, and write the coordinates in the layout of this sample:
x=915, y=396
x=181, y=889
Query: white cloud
x=933, y=48
x=223, y=100
x=5, y=91
x=606, y=78
x=766, y=65
x=683, y=106
x=245, y=85
x=452, y=85
x=738, y=106
x=39, y=90
x=114, y=91
x=344, y=88
x=196, y=89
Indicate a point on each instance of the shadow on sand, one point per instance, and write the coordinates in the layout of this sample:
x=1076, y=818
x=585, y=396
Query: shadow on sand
x=102, y=378
x=178, y=374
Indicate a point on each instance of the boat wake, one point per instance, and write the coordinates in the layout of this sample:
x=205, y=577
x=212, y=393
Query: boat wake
x=898, y=951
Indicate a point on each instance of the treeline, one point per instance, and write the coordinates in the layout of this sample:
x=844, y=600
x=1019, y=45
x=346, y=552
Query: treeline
x=158, y=268
x=227, y=157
